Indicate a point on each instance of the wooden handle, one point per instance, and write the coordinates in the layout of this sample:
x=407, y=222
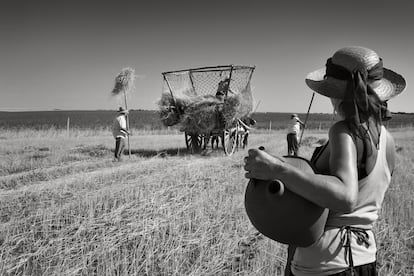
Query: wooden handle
x=276, y=187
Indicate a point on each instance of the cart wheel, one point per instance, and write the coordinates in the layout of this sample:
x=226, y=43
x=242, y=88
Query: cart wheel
x=194, y=142
x=230, y=139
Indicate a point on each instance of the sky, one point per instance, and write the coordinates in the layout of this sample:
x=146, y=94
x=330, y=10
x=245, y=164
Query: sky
x=65, y=54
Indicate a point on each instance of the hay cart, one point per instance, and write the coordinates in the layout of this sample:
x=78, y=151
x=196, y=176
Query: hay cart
x=207, y=101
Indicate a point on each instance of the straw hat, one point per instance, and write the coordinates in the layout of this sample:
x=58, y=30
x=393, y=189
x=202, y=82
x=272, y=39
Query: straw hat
x=386, y=83
x=122, y=110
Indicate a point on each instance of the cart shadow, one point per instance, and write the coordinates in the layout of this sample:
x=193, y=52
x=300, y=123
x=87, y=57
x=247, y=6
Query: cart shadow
x=160, y=153
x=146, y=153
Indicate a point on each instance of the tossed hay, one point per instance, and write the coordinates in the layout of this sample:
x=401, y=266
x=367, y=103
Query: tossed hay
x=124, y=81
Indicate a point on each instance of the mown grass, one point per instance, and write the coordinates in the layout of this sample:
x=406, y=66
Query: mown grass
x=75, y=212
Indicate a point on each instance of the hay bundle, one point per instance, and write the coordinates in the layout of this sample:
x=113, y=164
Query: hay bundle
x=124, y=81
x=204, y=113
x=237, y=105
x=171, y=109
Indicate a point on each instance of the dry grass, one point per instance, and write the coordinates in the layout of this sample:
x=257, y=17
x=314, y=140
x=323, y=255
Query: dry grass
x=75, y=212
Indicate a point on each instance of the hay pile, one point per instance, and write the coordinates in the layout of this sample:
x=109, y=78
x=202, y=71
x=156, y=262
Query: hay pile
x=204, y=113
x=171, y=109
x=238, y=105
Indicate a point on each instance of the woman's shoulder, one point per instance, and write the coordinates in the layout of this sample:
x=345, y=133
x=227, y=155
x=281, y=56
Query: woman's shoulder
x=339, y=128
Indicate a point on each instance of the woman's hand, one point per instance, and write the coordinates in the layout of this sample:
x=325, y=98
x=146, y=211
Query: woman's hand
x=261, y=165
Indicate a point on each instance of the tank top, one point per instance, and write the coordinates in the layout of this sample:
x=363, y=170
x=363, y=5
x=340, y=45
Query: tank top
x=348, y=239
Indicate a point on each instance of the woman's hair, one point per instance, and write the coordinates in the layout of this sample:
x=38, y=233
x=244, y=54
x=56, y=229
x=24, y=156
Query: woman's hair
x=355, y=117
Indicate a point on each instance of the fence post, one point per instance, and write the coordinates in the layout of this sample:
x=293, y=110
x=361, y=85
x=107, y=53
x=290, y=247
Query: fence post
x=67, y=126
x=270, y=126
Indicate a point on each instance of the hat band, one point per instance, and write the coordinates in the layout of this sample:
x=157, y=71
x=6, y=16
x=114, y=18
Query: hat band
x=357, y=86
x=341, y=73
x=357, y=89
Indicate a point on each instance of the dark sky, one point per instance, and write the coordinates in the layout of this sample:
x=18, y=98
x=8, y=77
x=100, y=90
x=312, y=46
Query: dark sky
x=66, y=54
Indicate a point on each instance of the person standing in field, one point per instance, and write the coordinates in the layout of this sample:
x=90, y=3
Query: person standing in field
x=120, y=132
x=295, y=125
x=353, y=171
x=223, y=88
x=246, y=124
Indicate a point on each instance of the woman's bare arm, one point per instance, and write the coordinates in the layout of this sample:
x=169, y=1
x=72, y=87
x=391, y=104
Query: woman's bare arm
x=337, y=191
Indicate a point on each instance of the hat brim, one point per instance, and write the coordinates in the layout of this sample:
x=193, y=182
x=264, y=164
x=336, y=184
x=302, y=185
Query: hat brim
x=388, y=87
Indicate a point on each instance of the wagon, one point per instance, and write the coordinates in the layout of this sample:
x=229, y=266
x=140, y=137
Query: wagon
x=206, y=102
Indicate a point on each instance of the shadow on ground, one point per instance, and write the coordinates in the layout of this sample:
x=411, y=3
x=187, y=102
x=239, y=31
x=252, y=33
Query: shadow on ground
x=102, y=150
x=160, y=153
x=171, y=152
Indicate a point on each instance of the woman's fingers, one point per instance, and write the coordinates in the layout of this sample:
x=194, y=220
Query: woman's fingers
x=251, y=163
x=259, y=164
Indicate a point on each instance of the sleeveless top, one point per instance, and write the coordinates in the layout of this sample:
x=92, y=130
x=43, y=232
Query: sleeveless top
x=348, y=239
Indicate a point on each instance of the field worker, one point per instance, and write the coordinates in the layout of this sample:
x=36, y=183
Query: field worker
x=246, y=124
x=223, y=88
x=295, y=124
x=354, y=170
x=120, y=132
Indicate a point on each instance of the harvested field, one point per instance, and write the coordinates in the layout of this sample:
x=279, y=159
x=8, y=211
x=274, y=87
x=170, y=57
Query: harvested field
x=67, y=209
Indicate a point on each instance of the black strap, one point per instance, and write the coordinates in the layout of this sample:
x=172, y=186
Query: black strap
x=361, y=157
x=362, y=237
x=318, y=152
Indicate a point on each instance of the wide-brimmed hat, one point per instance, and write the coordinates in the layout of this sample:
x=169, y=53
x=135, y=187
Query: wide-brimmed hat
x=123, y=110
x=332, y=81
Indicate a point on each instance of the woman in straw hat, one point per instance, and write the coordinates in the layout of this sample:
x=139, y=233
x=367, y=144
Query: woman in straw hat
x=354, y=169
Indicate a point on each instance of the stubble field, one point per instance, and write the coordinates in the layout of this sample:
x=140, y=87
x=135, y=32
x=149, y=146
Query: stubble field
x=67, y=209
